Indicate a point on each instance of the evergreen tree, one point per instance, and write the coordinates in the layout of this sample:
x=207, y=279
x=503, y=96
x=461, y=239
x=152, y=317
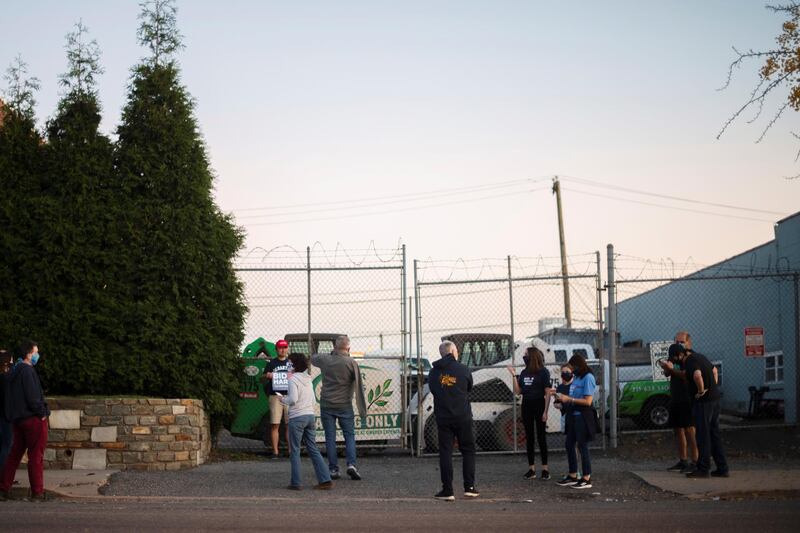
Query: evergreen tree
x=185, y=310
x=20, y=186
x=77, y=237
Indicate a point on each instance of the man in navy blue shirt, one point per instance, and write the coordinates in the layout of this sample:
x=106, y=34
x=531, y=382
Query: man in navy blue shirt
x=450, y=383
x=701, y=377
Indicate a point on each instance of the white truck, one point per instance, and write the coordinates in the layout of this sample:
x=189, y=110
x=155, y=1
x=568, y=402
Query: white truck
x=492, y=396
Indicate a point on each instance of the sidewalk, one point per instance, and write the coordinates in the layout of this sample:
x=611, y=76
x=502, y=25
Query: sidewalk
x=740, y=482
x=65, y=483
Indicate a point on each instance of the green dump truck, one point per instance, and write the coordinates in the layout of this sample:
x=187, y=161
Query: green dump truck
x=252, y=409
x=646, y=402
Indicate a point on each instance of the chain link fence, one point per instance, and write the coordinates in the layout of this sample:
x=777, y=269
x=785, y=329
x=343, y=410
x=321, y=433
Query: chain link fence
x=742, y=317
x=493, y=309
x=309, y=297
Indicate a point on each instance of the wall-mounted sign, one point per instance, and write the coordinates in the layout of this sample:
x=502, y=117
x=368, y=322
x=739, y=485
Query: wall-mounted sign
x=754, y=342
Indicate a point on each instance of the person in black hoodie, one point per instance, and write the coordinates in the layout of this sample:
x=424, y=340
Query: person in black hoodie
x=450, y=383
x=26, y=409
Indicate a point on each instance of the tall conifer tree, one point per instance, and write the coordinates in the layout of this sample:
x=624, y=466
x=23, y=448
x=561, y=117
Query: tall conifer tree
x=186, y=310
x=77, y=241
x=20, y=190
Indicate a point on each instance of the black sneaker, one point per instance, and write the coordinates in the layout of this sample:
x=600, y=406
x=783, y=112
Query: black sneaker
x=698, y=474
x=566, y=481
x=720, y=473
x=445, y=495
x=545, y=475
x=353, y=473
x=530, y=474
x=690, y=467
x=678, y=467
x=583, y=484
x=335, y=473
x=471, y=492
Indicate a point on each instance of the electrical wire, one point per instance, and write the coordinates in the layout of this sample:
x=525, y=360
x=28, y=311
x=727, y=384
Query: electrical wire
x=453, y=190
x=399, y=210
x=662, y=206
x=594, y=183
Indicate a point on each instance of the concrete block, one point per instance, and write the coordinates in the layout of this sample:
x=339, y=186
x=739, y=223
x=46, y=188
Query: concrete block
x=141, y=430
x=65, y=419
x=178, y=409
x=89, y=459
x=49, y=454
x=147, y=421
x=130, y=420
x=166, y=420
x=104, y=434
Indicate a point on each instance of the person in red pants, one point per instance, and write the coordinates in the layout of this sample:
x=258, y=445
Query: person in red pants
x=26, y=409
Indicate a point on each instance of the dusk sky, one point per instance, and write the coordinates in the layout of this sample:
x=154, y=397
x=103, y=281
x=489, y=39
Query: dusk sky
x=441, y=123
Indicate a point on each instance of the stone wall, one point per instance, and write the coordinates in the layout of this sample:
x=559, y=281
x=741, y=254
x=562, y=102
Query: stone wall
x=127, y=434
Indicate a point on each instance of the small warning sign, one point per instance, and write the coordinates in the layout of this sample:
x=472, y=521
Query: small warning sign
x=754, y=342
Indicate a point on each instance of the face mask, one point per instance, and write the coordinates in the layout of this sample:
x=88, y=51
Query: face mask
x=35, y=358
x=566, y=376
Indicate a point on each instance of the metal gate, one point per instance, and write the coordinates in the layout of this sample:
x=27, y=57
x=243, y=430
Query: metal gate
x=492, y=309
x=359, y=293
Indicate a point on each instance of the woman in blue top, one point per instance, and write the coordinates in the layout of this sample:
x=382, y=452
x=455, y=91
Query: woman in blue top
x=580, y=423
x=533, y=383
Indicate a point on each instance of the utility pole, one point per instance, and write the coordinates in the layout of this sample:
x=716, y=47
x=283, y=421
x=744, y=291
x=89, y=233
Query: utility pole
x=564, y=273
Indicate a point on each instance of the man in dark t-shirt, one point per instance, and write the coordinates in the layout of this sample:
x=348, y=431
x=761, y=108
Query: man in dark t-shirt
x=680, y=409
x=276, y=375
x=704, y=391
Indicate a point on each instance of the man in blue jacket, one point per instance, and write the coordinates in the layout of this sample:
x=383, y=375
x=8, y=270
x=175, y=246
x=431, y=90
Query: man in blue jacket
x=26, y=409
x=450, y=383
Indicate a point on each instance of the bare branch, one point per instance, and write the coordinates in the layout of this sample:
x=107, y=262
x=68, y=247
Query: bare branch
x=749, y=55
x=772, y=122
x=771, y=86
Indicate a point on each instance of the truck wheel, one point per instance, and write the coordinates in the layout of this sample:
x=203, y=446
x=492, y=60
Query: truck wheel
x=655, y=414
x=431, y=435
x=504, y=432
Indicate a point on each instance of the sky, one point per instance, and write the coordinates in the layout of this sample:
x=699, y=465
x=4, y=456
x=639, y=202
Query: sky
x=440, y=124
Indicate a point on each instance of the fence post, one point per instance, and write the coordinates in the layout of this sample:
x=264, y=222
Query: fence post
x=511, y=313
x=404, y=389
x=612, y=343
x=308, y=300
x=600, y=355
x=420, y=427
x=796, y=347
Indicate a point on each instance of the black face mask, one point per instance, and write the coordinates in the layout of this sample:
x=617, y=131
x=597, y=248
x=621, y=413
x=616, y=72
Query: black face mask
x=566, y=376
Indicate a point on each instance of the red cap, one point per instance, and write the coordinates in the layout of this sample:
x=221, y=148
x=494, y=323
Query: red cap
x=281, y=344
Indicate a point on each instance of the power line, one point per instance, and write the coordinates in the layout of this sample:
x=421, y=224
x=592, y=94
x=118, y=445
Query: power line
x=593, y=183
x=400, y=210
x=651, y=204
x=348, y=202
x=350, y=205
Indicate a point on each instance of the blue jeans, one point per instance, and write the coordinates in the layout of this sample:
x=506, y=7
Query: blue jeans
x=303, y=429
x=346, y=420
x=578, y=434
